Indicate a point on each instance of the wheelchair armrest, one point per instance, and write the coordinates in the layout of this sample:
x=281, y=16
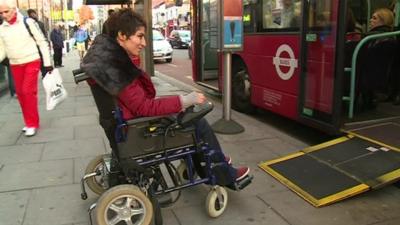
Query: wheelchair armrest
x=79, y=75
x=148, y=119
x=194, y=113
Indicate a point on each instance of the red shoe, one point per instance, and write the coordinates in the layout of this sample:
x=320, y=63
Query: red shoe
x=228, y=159
x=242, y=172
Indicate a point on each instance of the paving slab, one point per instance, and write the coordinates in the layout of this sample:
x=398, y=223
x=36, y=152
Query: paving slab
x=73, y=148
x=72, y=121
x=250, y=210
x=88, y=110
x=35, y=175
x=369, y=208
x=20, y=153
x=88, y=131
x=58, y=205
x=13, y=207
x=48, y=135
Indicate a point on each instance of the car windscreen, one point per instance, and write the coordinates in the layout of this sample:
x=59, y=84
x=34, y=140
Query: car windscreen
x=157, y=36
x=185, y=34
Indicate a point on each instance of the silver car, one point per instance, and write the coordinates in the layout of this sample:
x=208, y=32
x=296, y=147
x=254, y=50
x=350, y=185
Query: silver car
x=162, y=50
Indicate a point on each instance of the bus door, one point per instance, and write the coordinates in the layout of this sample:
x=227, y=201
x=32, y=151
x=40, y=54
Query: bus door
x=322, y=64
x=207, y=57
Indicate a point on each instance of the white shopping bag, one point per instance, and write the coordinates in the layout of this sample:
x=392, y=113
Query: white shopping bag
x=55, y=91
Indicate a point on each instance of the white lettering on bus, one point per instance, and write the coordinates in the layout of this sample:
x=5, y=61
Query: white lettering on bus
x=290, y=62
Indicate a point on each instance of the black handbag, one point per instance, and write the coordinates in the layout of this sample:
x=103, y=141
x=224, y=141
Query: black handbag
x=5, y=62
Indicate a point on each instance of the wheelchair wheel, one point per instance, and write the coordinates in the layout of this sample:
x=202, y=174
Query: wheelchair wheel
x=96, y=183
x=214, y=206
x=183, y=172
x=123, y=203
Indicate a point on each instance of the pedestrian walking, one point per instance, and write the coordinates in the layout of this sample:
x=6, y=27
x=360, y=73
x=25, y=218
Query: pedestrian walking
x=80, y=39
x=6, y=65
x=57, y=41
x=21, y=45
x=32, y=14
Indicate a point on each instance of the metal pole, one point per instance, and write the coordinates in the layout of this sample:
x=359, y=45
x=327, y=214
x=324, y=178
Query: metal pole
x=227, y=86
x=226, y=125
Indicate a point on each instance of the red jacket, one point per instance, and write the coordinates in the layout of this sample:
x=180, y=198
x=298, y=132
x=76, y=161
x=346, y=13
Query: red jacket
x=138, y=99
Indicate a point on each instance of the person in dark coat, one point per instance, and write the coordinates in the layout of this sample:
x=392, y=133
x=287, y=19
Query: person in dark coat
x=376, y=58
x=109, y=63
x=57, y=41
x=32, y=14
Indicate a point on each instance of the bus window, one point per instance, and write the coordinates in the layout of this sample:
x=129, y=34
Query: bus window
x=249, y=16
x=319, y=14
x=281, y=14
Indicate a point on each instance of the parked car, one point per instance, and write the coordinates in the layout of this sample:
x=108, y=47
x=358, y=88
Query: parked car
x=162, y=50
x=179, y=38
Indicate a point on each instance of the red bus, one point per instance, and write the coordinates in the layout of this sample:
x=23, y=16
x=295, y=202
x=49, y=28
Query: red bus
x=293, y=60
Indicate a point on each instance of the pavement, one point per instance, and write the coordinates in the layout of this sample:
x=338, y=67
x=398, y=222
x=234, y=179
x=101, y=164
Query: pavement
x=40, y=175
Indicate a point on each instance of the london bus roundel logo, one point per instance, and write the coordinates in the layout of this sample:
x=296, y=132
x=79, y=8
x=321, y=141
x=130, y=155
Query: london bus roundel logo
x=280, y=61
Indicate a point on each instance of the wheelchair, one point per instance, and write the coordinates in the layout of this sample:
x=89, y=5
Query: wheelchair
x=153, y=159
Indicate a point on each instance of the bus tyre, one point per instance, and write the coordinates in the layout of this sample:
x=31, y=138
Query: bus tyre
x=241, y=91
x=214, y=206
x=96, y=183
x=123, y=203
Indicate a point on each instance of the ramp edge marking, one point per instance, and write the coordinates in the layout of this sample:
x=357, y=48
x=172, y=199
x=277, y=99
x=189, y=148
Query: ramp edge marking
x=375, y=125
x=388, y=178
x=308, y=197
x=280, y=159
x=374, y=141
x=326, y=144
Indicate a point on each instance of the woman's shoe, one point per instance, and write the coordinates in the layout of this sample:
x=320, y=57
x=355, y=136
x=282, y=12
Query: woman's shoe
x=24, y=129
x=30, y=131
x=242, y=172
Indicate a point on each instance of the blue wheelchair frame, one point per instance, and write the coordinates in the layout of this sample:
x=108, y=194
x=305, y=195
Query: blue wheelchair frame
x=147, y=174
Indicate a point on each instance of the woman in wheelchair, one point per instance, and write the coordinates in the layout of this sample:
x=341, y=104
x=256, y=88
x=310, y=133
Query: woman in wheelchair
x=109, y=65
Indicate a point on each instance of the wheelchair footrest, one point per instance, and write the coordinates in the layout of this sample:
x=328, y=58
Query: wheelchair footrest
x=241, y=184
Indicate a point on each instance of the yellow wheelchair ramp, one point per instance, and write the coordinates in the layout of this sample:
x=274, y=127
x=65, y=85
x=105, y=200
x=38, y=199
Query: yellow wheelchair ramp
x=336, y=170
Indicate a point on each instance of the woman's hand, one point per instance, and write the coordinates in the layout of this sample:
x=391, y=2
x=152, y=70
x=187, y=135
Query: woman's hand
x=191, y=99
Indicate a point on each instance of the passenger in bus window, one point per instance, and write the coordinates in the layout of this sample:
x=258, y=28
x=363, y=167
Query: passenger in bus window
x=289, y=14
x=381, y=21
x=377, y=59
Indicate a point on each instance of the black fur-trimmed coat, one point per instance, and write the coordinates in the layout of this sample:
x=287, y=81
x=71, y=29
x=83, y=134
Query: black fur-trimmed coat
x=109, y=65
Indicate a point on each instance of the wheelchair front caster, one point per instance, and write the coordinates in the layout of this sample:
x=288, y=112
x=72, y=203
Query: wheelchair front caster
x=123, y=203
x=216, y=202
x=96, y=183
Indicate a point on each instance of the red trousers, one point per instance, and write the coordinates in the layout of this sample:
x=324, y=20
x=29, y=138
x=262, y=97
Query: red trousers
x=26, y=86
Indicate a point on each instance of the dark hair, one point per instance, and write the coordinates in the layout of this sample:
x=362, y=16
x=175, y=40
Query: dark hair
x=30, y=11
x=350, y=21
x=125, y=21
x=110, y=11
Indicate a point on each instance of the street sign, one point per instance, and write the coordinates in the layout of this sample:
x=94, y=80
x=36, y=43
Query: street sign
x=226, y=25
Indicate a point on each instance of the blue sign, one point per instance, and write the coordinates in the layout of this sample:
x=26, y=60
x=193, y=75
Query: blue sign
x=233, y=32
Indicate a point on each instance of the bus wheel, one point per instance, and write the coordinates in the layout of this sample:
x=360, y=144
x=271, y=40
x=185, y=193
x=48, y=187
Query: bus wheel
x=241, y=90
